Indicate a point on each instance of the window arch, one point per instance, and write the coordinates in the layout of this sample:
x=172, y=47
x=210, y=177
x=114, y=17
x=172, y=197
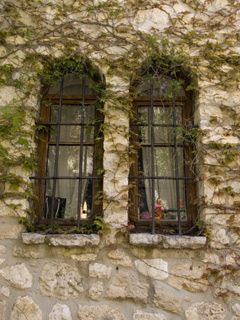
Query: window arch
x=163, y=195
x=70, y=145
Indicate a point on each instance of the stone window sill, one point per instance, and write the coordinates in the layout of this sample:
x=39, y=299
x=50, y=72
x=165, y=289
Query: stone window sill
x=62, y=240
x=167, y=242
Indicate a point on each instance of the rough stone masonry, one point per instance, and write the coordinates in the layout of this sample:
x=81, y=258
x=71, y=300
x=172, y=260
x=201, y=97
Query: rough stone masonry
x=117, y=275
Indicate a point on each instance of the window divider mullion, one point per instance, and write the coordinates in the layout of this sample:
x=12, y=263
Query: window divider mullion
x=152, y=159
x=176, y=166
x=79, y=204
x=59, y=116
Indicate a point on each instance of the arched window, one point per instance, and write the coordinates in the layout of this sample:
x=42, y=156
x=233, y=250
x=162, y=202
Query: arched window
x=70, y=146
x=162, y=175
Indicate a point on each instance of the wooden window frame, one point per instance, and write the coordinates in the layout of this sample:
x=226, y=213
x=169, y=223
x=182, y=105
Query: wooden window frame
x=165, y=227
x=43, y=144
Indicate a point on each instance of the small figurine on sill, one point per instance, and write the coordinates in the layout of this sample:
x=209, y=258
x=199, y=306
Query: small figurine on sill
x=160, y=207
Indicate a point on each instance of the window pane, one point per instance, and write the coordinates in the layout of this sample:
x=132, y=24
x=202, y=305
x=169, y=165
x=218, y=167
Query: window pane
x=144, y=196
x=65, y=205
x=72, y=134
x=74, y=113
x=142, y=117
x=87, y=163
x=164, y=115
x=164, y=159
x=68, y=161
x=164, y=135
x=78, y=113
x=182, y=200
x=180, y=162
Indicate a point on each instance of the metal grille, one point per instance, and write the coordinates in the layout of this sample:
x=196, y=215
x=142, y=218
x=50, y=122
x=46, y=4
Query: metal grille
x=52, y=139
x=150, y=103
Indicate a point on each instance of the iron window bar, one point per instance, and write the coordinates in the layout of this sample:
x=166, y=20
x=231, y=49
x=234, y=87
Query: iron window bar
x=65, y=177
x=160, y=178
x=65, y=124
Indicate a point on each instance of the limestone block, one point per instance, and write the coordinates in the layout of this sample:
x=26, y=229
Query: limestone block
x=153, y=268
x=217, y=5
x=166, y=299
x=147, y=20
x=174, y=242
x=229, y=283
x=205, y=311
x=99, y=312
x=5, y=210
x=27, y=252
x=96, y=290
x=73, y=240
x=10, y=231
x=177, y=242
x=140, y=315
x=84, y=257
x=2, y=249
x=18, y=276
x=7, y=94
x=219, y=238
x=100, y=271
x=236, y=309
x=189, y=276
x=145, y=239
x=120, y=257
x=4, y=291
x=33, y=238
x=2, y=310
x=25, y=308
x=17, y=40
x=127, y=285
x=60, y=312
x=60, y=280
x=118, y=84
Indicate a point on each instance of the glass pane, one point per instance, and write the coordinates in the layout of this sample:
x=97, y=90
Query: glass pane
x=165, y=199
x=160, y=85
x=142, y=115
x=73, y=86
x=68, y=161
x=78, y=113
x=144, y=134
x=87, y=163
x=164, y=115
x=65, y=204
x=144, y=162
x=164, y=161
x=144, y=193
x=54, y=113
x=180, y=162
x=182, y=200
x=86, y=198
x=164, y=135
x=74, y=113
x=72, y=134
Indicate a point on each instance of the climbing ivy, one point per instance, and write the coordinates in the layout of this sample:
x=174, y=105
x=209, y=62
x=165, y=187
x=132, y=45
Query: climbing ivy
x=41, y=47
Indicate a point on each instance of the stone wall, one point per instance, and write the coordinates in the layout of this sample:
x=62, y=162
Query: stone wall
x=117, y=275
